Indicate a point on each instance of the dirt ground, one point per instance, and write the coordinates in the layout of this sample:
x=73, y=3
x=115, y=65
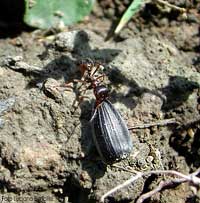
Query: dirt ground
x=46, y=148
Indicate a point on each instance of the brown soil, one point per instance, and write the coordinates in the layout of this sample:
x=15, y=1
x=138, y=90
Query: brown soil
x=152, y=68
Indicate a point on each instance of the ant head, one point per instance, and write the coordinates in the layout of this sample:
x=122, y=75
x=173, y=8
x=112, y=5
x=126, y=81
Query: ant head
x=101, y=92
x=86, y=65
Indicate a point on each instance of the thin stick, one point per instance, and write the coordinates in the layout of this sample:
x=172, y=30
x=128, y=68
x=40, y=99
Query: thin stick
x=182, y=10
x=125, y=184
x=183, y=178
x=157, y=123
x=161, y=186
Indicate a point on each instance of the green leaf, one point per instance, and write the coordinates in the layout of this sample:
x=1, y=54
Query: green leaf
x=52, y=13
x=132, y=9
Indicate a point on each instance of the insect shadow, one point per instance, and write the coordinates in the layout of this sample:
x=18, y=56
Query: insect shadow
x=173, y=95
x=65, y=62
x=177, y=92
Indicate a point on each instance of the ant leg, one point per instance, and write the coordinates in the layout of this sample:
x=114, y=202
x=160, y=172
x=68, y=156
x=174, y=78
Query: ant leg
x=52, y=85
x=70, y=84
x=64, y=87
x=93, y=115
x=97, y=65
x=74, y=81
x=80, y=100
x=83, y=91
x=101, y=76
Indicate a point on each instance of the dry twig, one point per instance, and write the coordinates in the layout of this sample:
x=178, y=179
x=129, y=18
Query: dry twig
x=182, y=10
x=192, y=178
x=157, y=123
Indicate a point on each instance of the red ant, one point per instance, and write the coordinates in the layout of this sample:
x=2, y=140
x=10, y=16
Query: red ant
x=90, y=80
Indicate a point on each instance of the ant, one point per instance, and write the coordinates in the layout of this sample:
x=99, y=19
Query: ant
x=90, y=79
